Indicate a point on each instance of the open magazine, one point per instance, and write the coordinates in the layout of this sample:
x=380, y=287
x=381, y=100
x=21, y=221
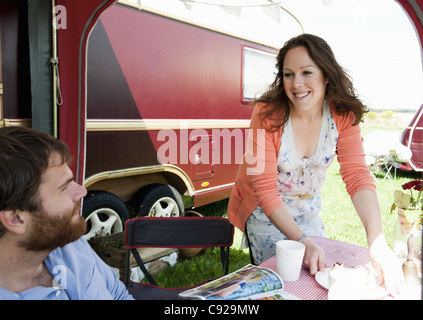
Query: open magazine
x=249, y=282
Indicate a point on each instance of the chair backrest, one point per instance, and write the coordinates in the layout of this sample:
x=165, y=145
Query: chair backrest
x=182, y=232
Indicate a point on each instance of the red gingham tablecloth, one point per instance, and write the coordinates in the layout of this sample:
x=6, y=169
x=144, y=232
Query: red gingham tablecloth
x=306, y=287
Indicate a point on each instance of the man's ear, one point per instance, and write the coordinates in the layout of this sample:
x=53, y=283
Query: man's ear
x=13, y=220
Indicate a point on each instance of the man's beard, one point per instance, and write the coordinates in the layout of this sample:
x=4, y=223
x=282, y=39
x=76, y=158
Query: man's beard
x=49, y=233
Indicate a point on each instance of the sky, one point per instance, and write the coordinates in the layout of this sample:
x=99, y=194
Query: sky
x=373, y=40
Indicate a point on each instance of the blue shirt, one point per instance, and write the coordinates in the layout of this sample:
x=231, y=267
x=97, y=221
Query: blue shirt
x=80, y=275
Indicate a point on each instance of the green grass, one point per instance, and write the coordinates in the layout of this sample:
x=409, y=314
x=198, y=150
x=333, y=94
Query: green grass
x=200, y=268
x=338, y=214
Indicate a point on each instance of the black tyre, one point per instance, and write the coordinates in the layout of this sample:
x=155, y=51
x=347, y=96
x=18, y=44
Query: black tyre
x=105, y=214
x=158, y=200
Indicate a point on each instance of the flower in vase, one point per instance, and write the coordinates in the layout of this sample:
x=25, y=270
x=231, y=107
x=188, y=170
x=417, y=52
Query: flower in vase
x=415, y=200
x=410, y=202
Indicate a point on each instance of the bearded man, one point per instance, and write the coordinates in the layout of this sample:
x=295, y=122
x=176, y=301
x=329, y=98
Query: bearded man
x=42, y=253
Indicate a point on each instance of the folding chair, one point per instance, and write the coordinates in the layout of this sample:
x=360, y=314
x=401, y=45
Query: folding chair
x=385, y=166
x=381, y=166
x=385, y=153
x=182, y=232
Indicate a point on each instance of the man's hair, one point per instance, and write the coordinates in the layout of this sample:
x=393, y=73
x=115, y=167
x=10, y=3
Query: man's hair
x=24, y=158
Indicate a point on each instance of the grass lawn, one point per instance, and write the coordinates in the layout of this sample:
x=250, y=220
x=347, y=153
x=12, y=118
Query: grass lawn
x=338, y=214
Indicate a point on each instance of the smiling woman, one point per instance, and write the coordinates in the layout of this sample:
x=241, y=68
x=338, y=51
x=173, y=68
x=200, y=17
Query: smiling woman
x=375, y=41
x=311, y=96
x=303, y=80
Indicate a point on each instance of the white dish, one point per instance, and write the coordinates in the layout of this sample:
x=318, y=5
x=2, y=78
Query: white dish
x=360, y=282
x=322, y=278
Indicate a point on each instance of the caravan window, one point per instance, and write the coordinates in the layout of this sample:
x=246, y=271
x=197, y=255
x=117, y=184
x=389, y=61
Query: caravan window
x=258, y=72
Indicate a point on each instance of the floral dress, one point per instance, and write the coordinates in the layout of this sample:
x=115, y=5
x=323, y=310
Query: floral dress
x=299, y=184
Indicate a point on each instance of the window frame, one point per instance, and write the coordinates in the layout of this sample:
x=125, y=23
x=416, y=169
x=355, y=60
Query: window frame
x=267, y=52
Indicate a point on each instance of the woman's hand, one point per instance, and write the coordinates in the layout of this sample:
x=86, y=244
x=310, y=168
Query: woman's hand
x=314, y=257
x=386, y=264
x=384, y=261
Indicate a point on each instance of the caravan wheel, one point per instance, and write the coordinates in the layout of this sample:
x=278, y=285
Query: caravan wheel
x=105, y=214
x=158, y=200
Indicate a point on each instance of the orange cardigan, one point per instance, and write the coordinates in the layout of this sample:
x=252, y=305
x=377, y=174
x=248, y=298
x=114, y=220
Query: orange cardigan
x=252, y=190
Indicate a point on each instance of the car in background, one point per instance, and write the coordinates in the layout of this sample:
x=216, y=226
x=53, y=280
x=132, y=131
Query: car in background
x=412, y=137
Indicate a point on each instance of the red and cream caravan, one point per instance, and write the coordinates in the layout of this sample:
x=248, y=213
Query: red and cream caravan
x=167, y=109
x=153, y=109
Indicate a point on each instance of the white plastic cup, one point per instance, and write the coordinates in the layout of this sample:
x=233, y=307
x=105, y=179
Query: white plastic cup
x=289, y=259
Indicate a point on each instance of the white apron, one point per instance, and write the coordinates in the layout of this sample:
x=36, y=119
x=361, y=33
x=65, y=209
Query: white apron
x=299, y=183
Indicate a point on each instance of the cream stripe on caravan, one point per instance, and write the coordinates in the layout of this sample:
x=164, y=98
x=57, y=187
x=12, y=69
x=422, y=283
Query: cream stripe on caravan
x=164, y=124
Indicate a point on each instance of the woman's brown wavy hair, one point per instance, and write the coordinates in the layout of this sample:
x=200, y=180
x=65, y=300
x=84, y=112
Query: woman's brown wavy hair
x=339, y=90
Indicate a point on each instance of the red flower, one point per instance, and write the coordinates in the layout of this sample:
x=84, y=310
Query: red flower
x=416, y=201
x=416, y=184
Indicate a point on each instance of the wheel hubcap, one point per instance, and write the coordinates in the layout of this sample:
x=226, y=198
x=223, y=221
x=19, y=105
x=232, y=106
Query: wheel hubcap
x=164, y=207
x=103, y=222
